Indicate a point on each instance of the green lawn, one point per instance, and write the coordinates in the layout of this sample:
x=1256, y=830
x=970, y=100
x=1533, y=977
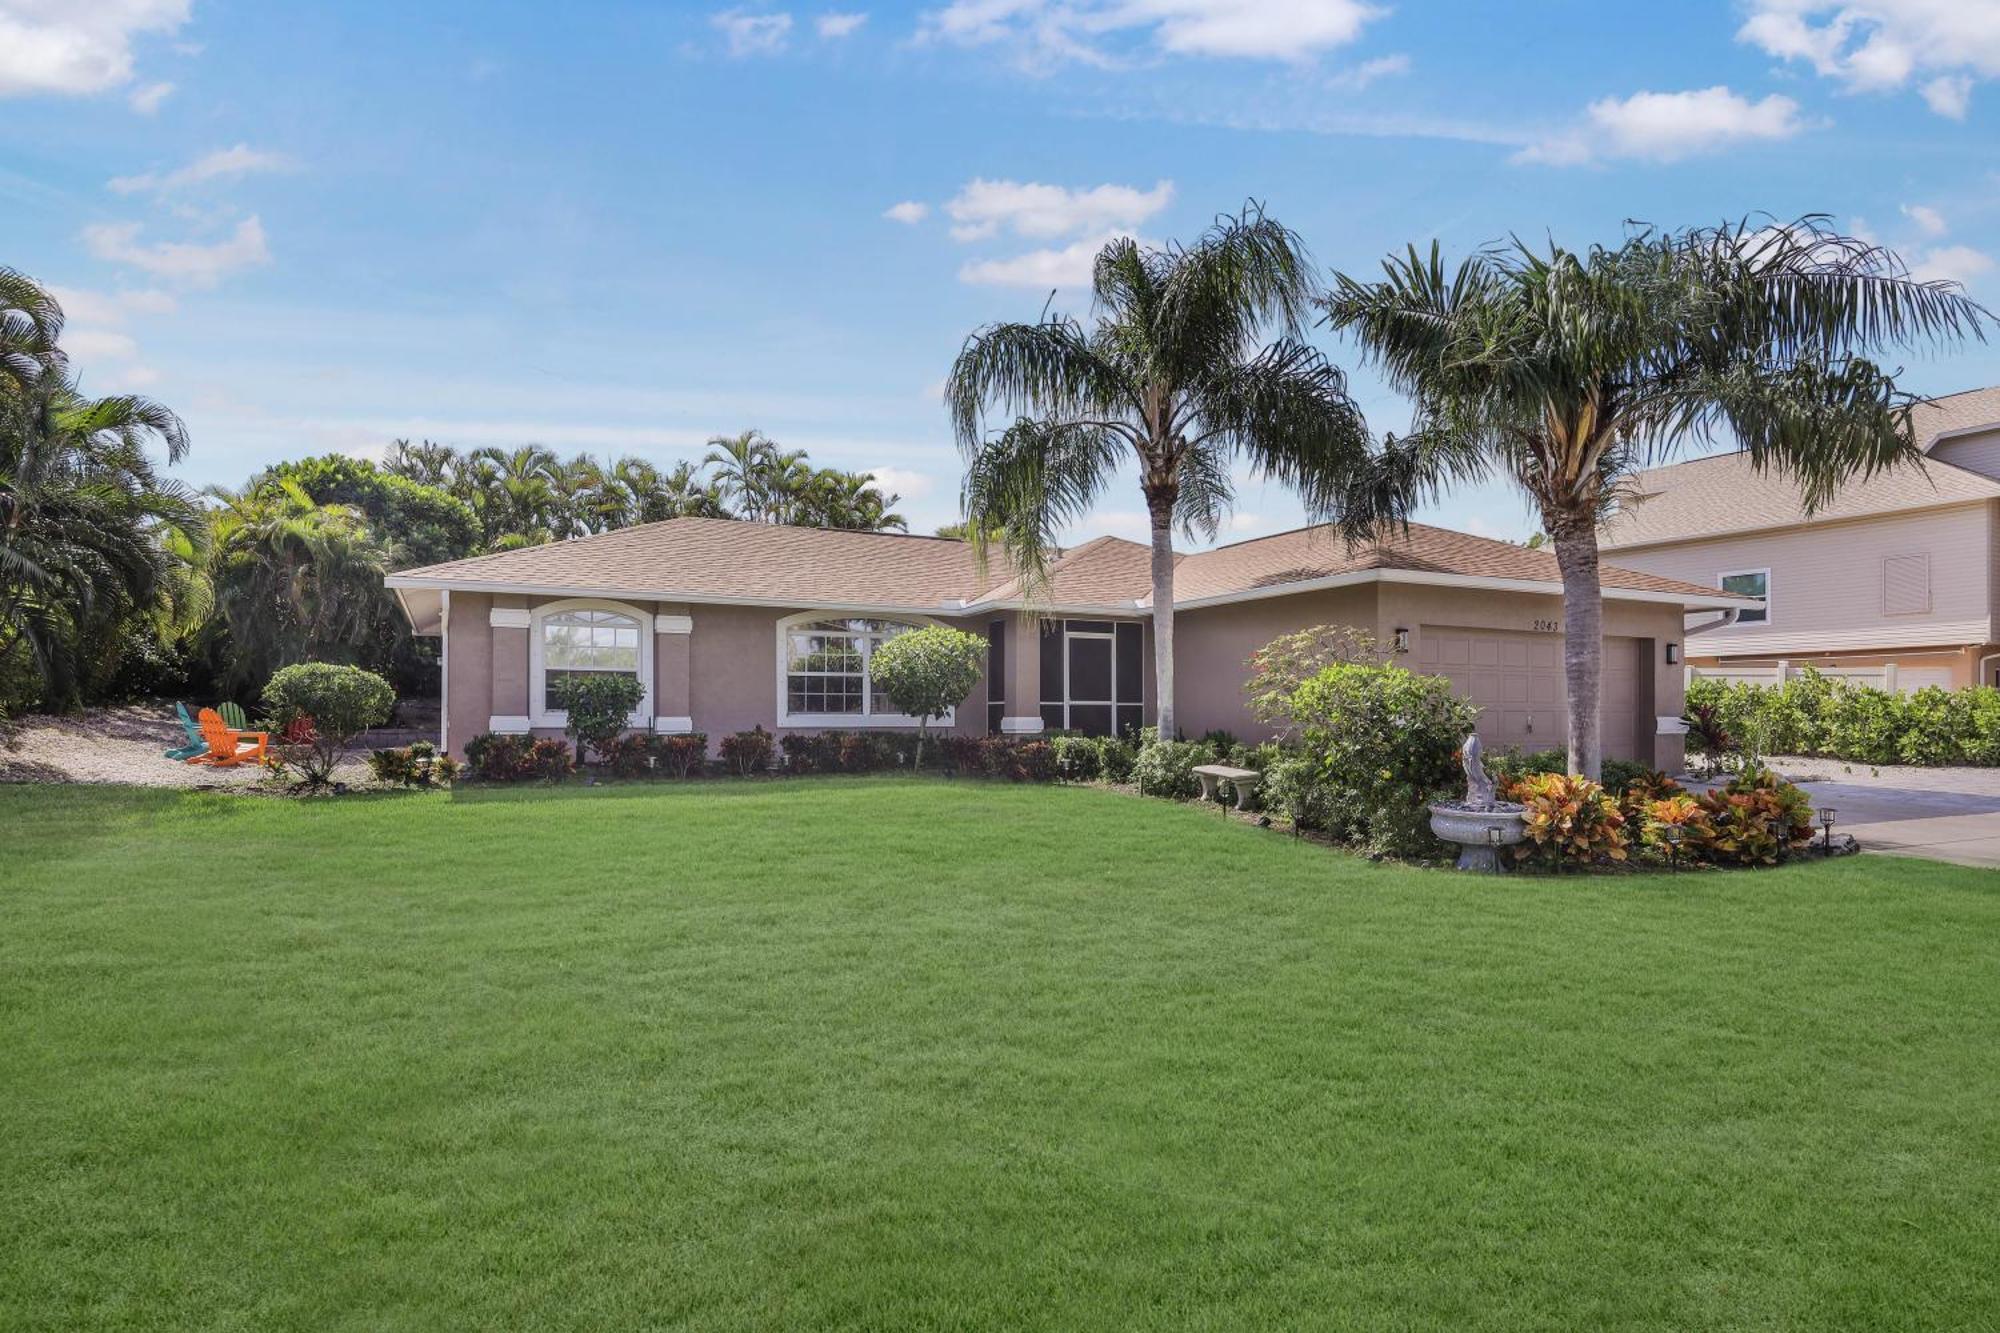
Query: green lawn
x=889, y=1054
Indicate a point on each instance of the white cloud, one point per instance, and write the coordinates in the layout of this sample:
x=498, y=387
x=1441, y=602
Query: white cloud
x=835, y=26
x=82, y=46
x=1667, y=127
x=222, y=164
x=1044, y=32
x=97, y=337
x=1929, y=221
x=1949, y=95
x=902, y=481
x=147, y=100
x=983, y=208
x=1952, y=263
x=1368, y=71
x=1880, y=45
x=752, y=34
x=184, y=262
x=910, y=212
x=1065, y=266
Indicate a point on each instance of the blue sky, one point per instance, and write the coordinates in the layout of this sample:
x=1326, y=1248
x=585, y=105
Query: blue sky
x=625, y=228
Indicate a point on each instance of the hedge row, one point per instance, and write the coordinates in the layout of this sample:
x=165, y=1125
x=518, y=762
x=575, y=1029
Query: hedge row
x=1812, y=714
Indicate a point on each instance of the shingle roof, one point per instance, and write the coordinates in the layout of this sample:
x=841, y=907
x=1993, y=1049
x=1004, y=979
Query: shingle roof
x=1953, y=413
x=1723, y=495
x=1726, y=496
x=1307, y=554
x=725, y=560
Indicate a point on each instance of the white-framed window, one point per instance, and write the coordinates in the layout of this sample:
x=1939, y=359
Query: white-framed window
x=1749, y=583
x=575, y=638
x=823, y=672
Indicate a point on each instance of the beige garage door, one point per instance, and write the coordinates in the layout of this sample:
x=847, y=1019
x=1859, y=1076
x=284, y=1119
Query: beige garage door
x=1517, y=681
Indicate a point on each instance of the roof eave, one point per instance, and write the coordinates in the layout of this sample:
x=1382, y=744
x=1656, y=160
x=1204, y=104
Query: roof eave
x=1715, y=601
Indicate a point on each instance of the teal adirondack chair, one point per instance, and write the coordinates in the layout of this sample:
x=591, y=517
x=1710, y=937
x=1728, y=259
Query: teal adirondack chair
x=195, y=744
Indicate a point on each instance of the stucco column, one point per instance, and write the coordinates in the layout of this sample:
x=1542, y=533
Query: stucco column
x=508, y=627
x=673, y=627
x=1023, y=714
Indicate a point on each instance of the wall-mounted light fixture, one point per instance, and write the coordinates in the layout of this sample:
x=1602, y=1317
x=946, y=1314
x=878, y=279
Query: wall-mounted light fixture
x=1402, y=641
x=1673, y=653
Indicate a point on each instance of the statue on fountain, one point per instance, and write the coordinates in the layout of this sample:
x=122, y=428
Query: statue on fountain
x=1478, y=787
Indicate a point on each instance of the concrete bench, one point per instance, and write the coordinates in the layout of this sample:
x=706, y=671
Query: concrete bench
x=1212, y=777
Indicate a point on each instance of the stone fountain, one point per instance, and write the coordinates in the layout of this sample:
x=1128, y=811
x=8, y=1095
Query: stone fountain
x=1480, y=825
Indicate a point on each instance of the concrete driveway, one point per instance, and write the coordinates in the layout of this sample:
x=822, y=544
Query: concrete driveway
x=1945, y=814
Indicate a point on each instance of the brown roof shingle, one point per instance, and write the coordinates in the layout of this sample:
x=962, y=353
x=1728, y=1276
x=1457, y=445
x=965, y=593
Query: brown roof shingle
x=726, y=560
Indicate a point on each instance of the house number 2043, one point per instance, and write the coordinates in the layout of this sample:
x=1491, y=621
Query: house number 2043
x=1548, y=626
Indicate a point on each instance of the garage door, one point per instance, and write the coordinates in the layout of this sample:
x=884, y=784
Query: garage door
x=1517, y=681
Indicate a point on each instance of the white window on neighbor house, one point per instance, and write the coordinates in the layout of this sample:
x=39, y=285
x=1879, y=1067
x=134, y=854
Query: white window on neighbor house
x=569, y=639
x=1750, y=583
x=823, y=672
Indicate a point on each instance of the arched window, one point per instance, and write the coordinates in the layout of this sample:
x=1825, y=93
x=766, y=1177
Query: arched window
x=823, y=672
x=582, y=639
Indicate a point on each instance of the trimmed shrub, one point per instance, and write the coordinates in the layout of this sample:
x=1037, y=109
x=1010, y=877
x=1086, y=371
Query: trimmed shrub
x=1385, y=744
x=1078, y=758
x=340, y=702
x=747, y=752
x=1292, y=788
x=549, y=760
x=682, y=756
x=1166, y=768
x=1115, y=758
x=492, y=757
x=928, y=672
x=1813, y=714
x=599, y=707
x=1570, y=821
x=630, y=756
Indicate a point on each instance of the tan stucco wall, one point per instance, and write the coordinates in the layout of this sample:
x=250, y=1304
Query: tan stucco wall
x=1215, y=643
x=469, y=667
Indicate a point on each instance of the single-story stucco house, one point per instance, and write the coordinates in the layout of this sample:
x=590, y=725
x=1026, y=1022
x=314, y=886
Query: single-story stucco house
x=731, y=624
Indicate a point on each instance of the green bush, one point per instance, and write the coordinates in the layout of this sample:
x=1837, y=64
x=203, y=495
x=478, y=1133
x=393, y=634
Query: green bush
x=1812, y=714
x=1385, y=743
x=599, y=707
x=1292, y=789
x=1115, y=758
x=1078, y=758
x=341, y=702
x=1166, y=768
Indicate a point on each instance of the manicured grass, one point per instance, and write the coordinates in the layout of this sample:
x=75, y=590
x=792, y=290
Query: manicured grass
x=891, y=1054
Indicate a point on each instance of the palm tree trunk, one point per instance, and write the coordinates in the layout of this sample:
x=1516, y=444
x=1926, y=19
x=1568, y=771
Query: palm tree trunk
x=1163, y=615
x=1575, y=540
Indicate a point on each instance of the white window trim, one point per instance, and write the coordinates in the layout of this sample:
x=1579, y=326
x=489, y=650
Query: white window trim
x=543, y=716
x=1738, y=622
x=843, y=721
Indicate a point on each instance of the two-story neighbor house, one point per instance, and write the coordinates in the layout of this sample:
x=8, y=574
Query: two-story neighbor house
x=1901, y=569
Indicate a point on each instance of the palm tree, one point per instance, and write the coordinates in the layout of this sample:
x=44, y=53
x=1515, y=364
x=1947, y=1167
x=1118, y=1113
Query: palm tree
x=295, y=580
x=1175, y=378
x=742, y=466
x=31, y=323
x=428, y=463
x=88, y=528
x=1566, y=371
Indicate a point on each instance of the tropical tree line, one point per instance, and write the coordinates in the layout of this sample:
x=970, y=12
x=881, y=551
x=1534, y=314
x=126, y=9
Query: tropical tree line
x=118, y=581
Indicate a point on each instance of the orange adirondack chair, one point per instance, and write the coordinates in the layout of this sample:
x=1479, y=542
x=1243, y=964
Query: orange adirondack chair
x=227, y=747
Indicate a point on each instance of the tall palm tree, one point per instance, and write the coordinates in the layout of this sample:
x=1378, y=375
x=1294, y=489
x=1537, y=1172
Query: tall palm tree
x=1567, y=371
x=742, y=468
x=427, y=463
x=31, y=323
x=295, y=580
x=1174, y=377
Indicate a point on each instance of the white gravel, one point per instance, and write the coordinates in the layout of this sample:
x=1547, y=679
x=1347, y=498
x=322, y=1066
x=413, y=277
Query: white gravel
x=125, y=745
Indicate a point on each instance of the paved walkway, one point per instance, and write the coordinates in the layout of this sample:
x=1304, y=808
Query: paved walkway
x=1946, y=814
